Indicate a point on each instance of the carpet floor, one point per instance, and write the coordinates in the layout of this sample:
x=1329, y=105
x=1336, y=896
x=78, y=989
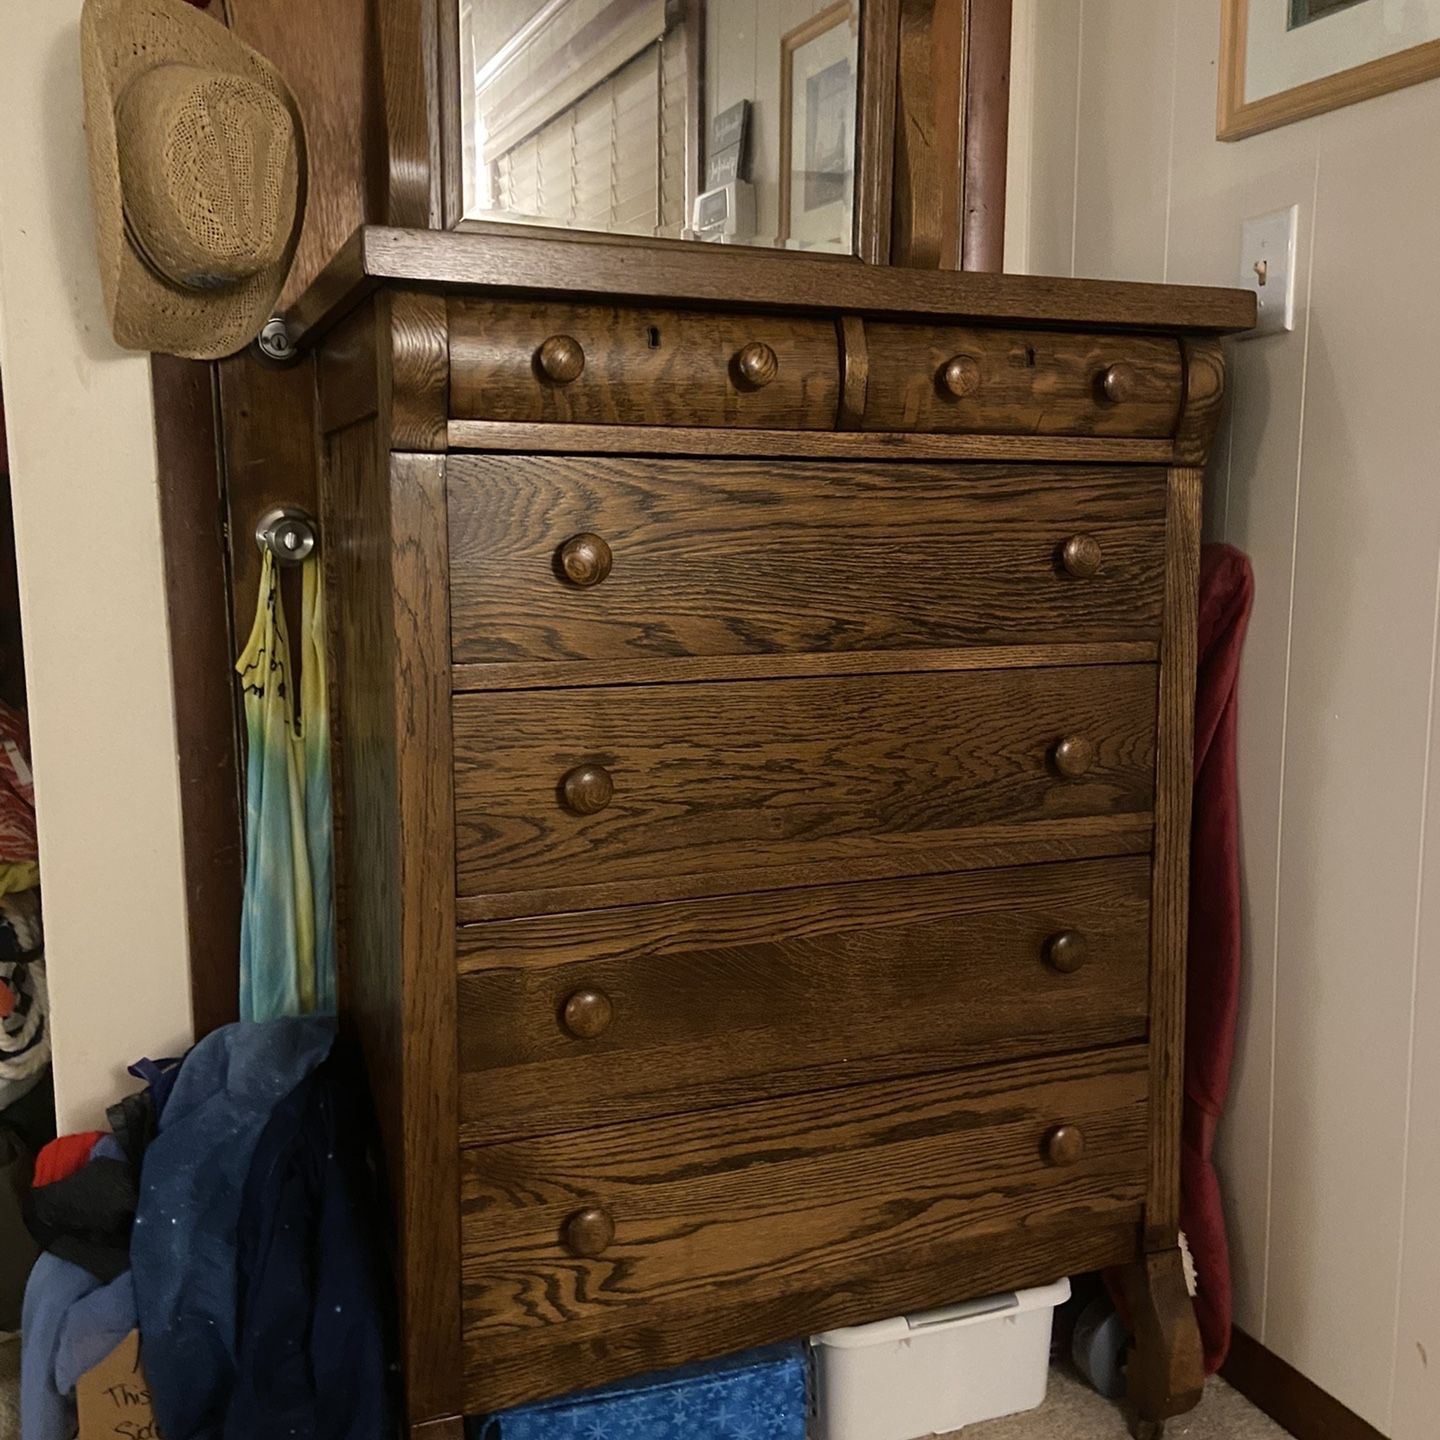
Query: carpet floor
x=1072, y=1411
x=9, y=1387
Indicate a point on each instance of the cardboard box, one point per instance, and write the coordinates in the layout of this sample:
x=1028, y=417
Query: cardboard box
x=114, y=1397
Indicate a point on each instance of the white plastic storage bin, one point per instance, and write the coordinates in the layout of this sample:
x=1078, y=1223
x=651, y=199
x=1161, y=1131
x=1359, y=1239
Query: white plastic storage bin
x=932, y=1373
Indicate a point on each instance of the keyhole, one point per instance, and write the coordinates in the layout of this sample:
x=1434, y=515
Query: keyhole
x=652, y=337
x=1030, y=357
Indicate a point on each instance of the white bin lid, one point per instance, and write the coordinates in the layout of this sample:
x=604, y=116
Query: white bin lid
x=951, y=1317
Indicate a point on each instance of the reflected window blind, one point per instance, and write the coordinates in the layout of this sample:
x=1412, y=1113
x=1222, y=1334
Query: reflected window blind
x=673, y=211
x=597, y=165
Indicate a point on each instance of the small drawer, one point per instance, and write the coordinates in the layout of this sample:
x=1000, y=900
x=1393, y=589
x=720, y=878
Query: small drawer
x=837, y=1204
x=612, y=365
x=688, y=785
x=579, y=1020
x=1016, y=382
x=557, y=559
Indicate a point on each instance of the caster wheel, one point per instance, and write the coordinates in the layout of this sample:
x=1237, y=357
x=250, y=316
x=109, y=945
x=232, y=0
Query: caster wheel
x=1098, y=1348
x=1147, y=1429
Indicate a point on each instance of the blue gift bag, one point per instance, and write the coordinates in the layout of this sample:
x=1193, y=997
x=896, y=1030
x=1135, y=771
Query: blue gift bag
x=757, y=1395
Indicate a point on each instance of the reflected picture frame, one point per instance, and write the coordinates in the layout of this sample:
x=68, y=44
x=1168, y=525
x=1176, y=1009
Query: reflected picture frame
x=1333, y=80
x=819, y=94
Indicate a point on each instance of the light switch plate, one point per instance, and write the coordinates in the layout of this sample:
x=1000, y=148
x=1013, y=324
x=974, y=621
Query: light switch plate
x=1267, y=268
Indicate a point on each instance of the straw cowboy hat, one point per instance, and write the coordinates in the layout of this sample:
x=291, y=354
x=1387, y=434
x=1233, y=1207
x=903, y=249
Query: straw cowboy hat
x=197, y=174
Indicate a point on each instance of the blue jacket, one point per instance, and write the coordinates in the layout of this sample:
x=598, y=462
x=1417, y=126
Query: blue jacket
x=256, y=1220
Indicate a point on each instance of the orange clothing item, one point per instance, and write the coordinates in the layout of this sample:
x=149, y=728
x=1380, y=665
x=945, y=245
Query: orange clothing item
x=61, y=1158
x=17, y=788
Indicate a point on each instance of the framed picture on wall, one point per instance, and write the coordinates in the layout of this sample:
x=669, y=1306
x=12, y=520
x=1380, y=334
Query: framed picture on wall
x=1284, y=60
x=818, y=62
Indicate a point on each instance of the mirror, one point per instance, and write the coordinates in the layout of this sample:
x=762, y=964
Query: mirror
x=730, y=121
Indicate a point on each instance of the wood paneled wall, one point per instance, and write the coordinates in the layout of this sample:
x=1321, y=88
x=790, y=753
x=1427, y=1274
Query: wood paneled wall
x=324, y=49
x=1330, y=1155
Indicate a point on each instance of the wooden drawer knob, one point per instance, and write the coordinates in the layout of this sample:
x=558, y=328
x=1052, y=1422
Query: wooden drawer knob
x=587, y=789
x=757, y=364
x=588, y=1014
x=1064, y=1146
x=1065, y=951
x=585, y=560
x=1080, y=555
x=561, y=359
x=1119, y=382
x=1073, y=756
x=961, y=376
x=588, y=1232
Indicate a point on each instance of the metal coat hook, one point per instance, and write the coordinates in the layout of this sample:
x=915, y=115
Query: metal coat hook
x=289, y=533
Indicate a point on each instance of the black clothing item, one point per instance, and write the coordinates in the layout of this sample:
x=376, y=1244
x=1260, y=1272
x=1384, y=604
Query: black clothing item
x=32, y=1116
x=18, y=1250
x=314, y=1324
x=86, y=1218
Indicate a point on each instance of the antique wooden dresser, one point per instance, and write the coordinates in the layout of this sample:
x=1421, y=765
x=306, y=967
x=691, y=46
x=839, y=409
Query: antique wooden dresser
x=764, y=717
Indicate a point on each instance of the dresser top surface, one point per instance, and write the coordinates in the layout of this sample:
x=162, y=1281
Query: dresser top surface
x=509, y=259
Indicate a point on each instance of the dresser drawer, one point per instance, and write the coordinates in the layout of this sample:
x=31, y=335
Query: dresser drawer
x=556, y=559
x=628, y=786
x=611, y=365
x=835, y=1202
x=576, y=1020
x=1015, y=382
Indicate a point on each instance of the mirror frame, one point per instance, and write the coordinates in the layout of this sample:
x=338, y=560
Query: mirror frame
x=874, y=140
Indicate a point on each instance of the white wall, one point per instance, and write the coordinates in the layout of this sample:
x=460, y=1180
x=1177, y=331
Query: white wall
x=742, y=62
x=82, y=456
x=1327, y=476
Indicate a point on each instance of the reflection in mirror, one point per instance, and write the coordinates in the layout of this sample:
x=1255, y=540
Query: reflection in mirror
x=722, y=120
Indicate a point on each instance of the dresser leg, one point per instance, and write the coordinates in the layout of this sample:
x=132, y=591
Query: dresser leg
x=452, y=1428
x=1166, y=1373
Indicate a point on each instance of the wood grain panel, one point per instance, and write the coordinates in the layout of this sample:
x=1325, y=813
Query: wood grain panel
x=875, y=129
x=1204, y=399
x=785, y=1201
x=1165, y=1375
x=981, y=847
x=348, y=369
x=855, y=371
x=679, y=274
x=541, y=674
x=202, y=650
x=930, y=76
x=321, y=49
x=715, y=777
x=714, y=1003
x=1174, y=782
x=385, y=548
x=986, y=134
x=528, y=438
x=419, y=371
x=409, y=173
x=267, y=424
x=512, y=1369
x=1026, y=382
x=642, y=366
x=741, y=559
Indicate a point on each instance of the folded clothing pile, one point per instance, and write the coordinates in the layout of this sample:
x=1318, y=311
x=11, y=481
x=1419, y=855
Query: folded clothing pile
x=24, y=999
x=27, y=1110
x=233, y=1216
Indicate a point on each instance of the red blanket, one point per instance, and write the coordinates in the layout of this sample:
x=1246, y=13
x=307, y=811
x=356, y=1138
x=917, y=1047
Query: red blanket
x=1213, y=979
